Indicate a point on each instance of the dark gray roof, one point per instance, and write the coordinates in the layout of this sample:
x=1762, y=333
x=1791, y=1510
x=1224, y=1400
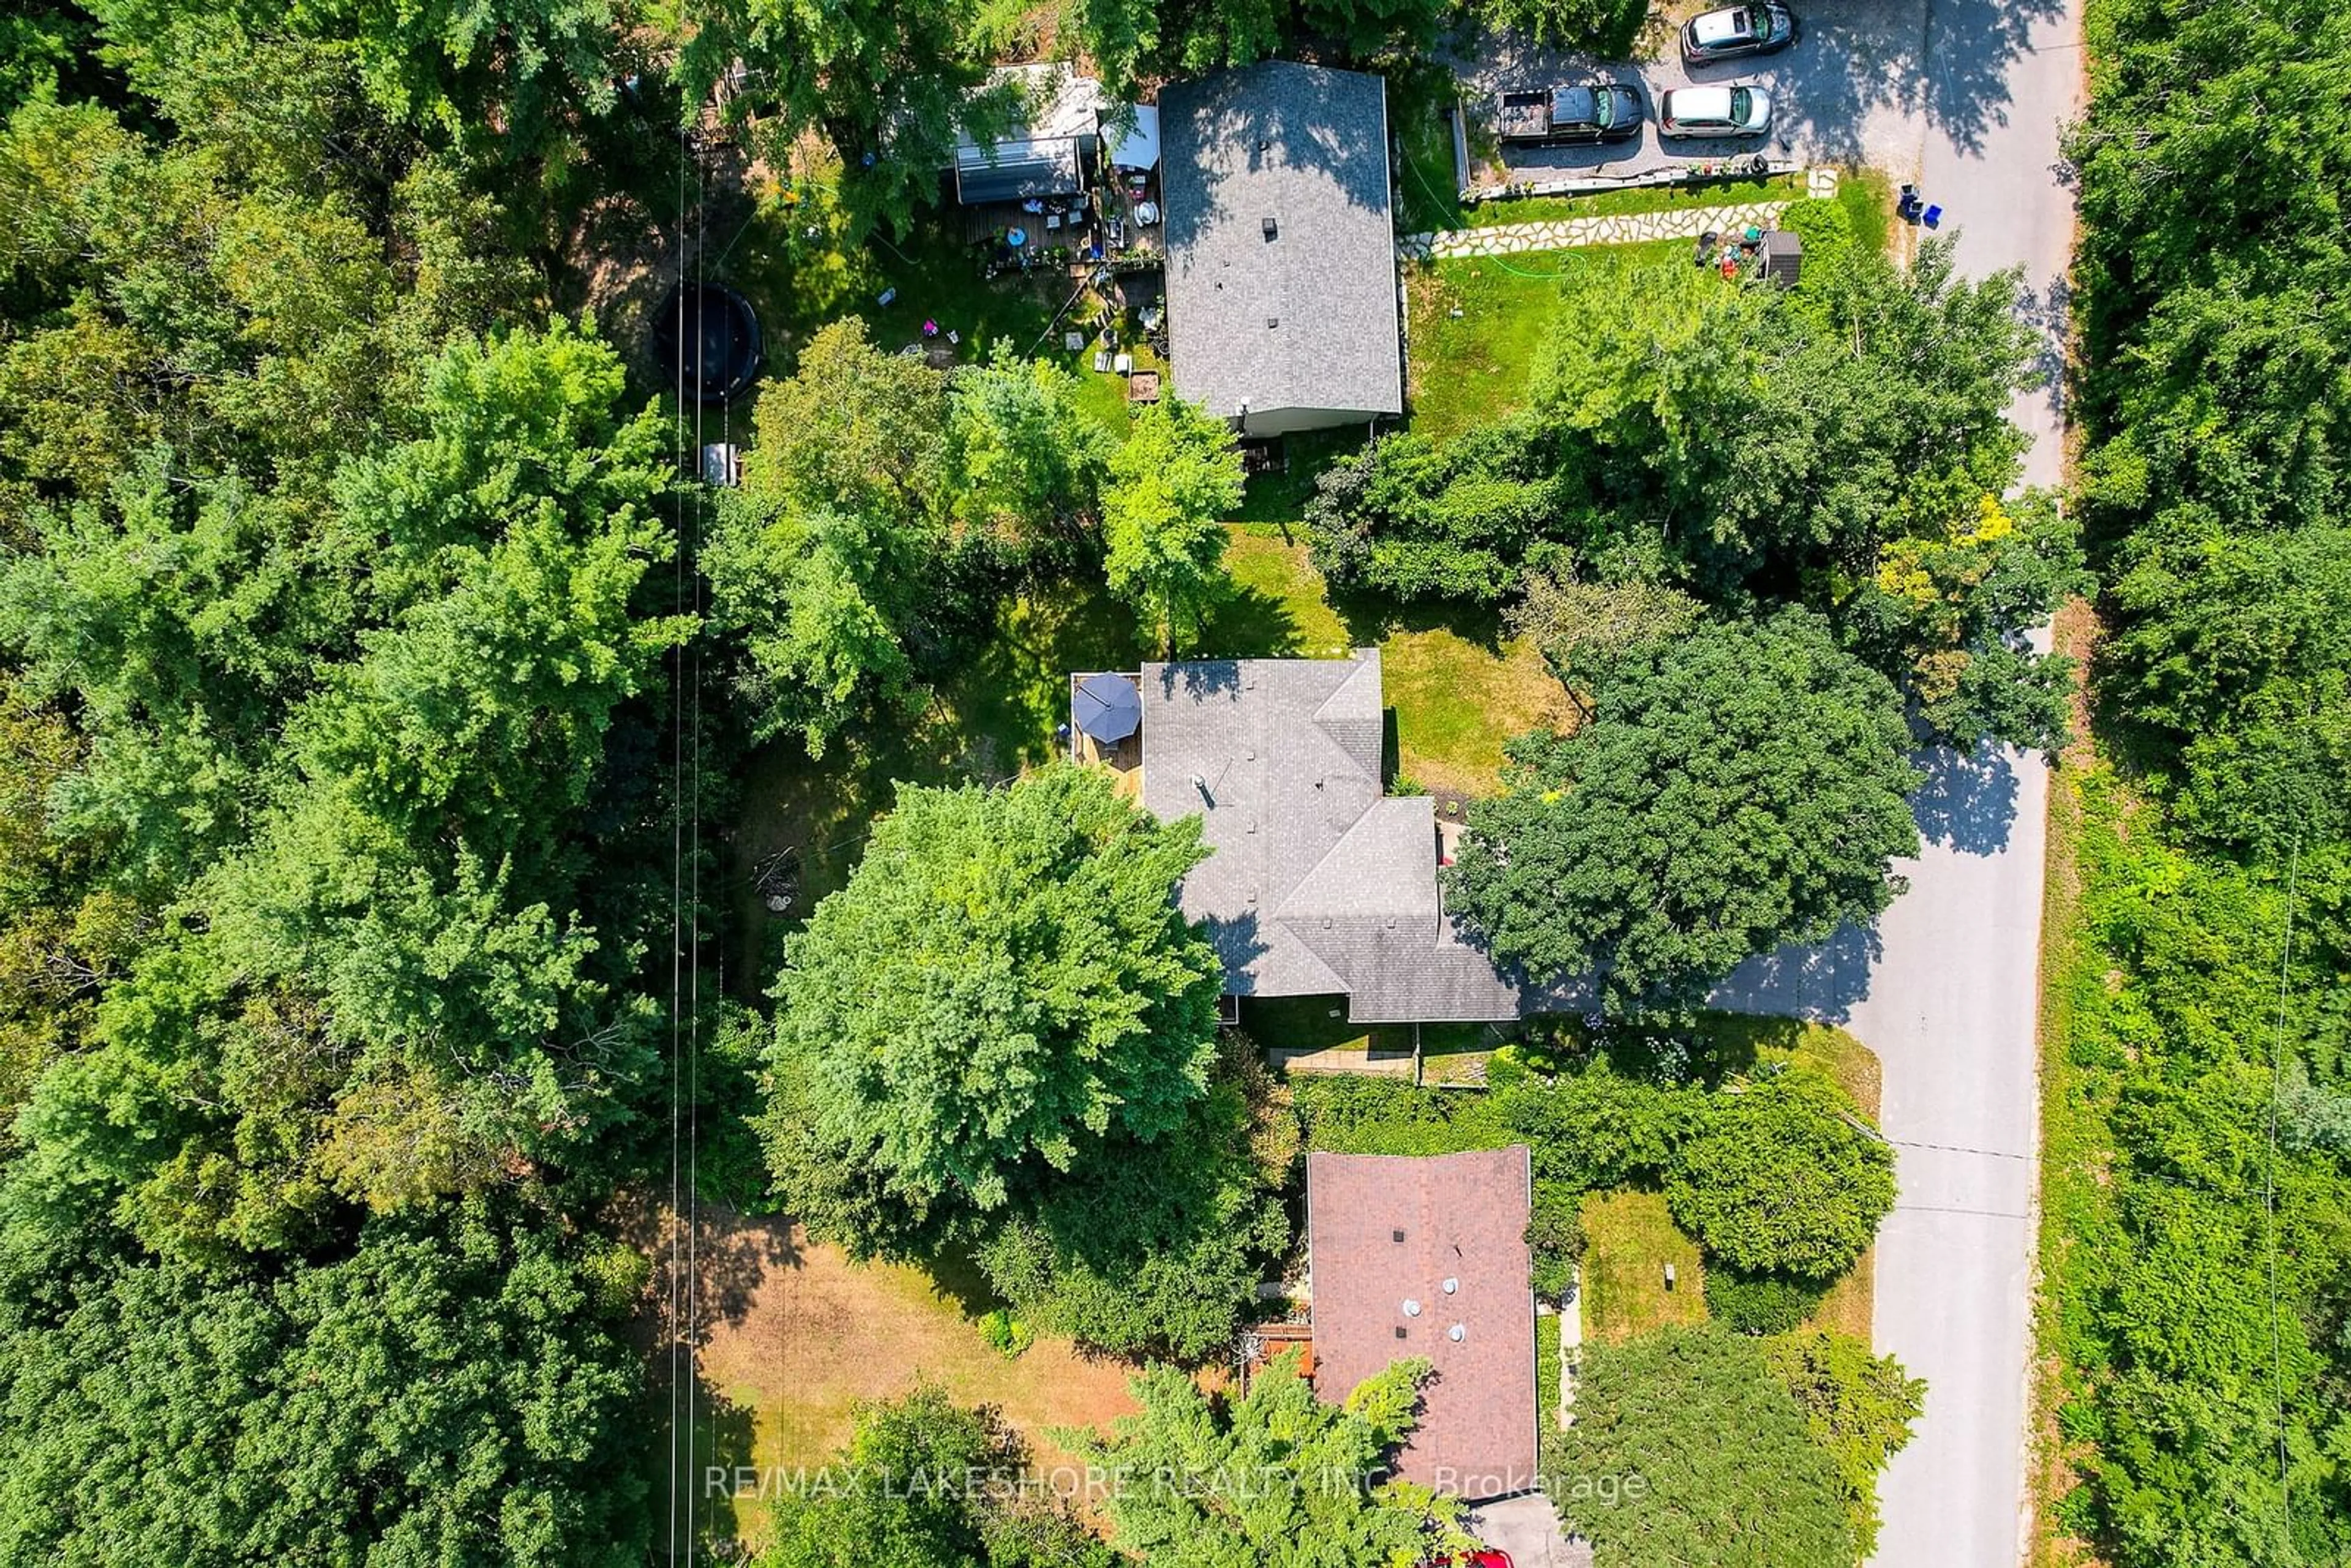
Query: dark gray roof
x=1317, y=884
x=1307, y=148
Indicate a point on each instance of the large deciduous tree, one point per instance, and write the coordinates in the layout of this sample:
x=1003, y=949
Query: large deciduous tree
x=1776, y=1178
x=1003, y=984
x=1739, y=788
x=1171, y=486
x=923, y=1480
x=1645, y=1476
x=1858, y=1407
x=1274, y=1479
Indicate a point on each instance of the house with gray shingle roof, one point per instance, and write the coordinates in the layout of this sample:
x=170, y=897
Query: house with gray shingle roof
x=1317, y=883
x=1281, y=279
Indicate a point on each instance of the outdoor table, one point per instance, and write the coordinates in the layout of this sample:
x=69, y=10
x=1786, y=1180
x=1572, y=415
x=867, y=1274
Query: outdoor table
x=1016, y=238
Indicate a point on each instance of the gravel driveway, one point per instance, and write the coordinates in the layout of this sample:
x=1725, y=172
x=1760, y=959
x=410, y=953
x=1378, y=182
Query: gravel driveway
x=1855, y=87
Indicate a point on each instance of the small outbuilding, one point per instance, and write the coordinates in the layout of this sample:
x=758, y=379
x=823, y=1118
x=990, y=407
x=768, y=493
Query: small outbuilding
x=1048, y=147
x=1781, y=256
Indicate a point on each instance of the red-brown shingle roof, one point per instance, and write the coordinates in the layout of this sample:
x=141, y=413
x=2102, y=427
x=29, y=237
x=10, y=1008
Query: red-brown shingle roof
x=1461, y=1218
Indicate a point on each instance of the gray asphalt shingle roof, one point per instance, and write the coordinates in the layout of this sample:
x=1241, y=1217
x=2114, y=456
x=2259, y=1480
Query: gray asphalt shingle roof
x=1304, y=317
x=1317, y=883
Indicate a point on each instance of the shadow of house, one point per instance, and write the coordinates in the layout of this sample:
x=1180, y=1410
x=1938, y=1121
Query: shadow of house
x=1281, y=283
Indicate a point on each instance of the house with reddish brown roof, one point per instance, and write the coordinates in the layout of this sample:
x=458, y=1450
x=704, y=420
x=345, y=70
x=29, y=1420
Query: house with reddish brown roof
x=1428, y=1257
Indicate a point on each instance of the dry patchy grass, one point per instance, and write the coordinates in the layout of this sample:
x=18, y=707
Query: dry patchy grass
x=799, y=1334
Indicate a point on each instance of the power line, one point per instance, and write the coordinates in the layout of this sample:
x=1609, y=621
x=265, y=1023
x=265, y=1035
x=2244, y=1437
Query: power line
x=677, y=885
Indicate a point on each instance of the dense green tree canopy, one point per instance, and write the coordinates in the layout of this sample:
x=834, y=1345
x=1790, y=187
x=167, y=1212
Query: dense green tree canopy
x=1172, y=484
x=1736, y=789
x=1274, y=1479
x=441, y=1394
x=927, y=1482
x=1858, y=1406
x=1774, y=1180
x=1156, y=1250
x=1645, y=1476
x=1005, y=982
x=2204, y=1399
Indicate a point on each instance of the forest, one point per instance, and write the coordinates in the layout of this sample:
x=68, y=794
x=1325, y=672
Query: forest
x=2198, y=1251
x=377, y=689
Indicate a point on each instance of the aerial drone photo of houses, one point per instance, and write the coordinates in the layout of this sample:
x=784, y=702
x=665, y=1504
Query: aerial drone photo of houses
x=1173, y=784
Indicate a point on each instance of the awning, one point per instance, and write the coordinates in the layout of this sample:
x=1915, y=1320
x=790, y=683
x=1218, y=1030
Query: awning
x=1107, y=707
x=1139, y=148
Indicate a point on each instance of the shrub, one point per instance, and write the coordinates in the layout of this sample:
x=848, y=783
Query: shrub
x=1556, y=1231
x=1759, y=1303
x=1008, y=1334
x=1778, y=1179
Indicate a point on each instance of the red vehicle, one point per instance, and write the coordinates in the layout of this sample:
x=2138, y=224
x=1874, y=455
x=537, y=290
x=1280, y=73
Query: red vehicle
x=1484, y=1557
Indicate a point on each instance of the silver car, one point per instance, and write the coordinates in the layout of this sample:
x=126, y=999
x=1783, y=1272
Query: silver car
x=1736, y=111
x=1735, y=31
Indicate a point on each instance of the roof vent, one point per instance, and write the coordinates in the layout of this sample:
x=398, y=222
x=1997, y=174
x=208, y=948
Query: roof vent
x=1272, y=322
x=1457, y=1333
x=1451, y=1286
x=1411, y=1308
x=1398, y=1235
x=1399, y=1331
x=1271, y=228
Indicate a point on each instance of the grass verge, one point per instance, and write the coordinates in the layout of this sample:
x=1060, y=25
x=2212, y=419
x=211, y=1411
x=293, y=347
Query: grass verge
x=2074, y=1200
x=1697, y=193
x=1629, y=1238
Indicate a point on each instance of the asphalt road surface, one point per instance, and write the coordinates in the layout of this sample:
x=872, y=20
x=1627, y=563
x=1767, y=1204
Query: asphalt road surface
x=1946, y=990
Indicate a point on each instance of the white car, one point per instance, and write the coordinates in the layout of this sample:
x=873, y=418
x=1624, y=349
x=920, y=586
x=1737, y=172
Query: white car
x=1740, y=110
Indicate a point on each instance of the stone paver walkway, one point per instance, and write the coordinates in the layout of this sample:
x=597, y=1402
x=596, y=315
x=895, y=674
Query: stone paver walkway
x=1566, y=234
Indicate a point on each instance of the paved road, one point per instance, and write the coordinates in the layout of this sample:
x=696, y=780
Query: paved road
x=1946, y=990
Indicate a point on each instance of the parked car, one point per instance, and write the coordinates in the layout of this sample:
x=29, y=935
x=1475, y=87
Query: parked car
x=1737, y=31
x=1594, y=112
x=1741, y=110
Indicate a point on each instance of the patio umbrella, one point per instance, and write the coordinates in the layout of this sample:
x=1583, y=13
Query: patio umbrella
x=1107, y=707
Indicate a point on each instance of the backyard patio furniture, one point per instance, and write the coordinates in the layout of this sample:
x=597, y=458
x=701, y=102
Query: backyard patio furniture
x=1107, y=707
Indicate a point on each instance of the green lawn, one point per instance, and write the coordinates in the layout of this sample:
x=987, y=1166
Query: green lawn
x=1548, y=1369
x=1280, y=609
x=1715, y=192
x=1628, y=1240
x=1457, y=684
x=1473, y=367
x=1305, y=1023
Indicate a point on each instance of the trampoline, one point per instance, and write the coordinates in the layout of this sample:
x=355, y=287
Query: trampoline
x=718, y=336
x=1107, y=707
